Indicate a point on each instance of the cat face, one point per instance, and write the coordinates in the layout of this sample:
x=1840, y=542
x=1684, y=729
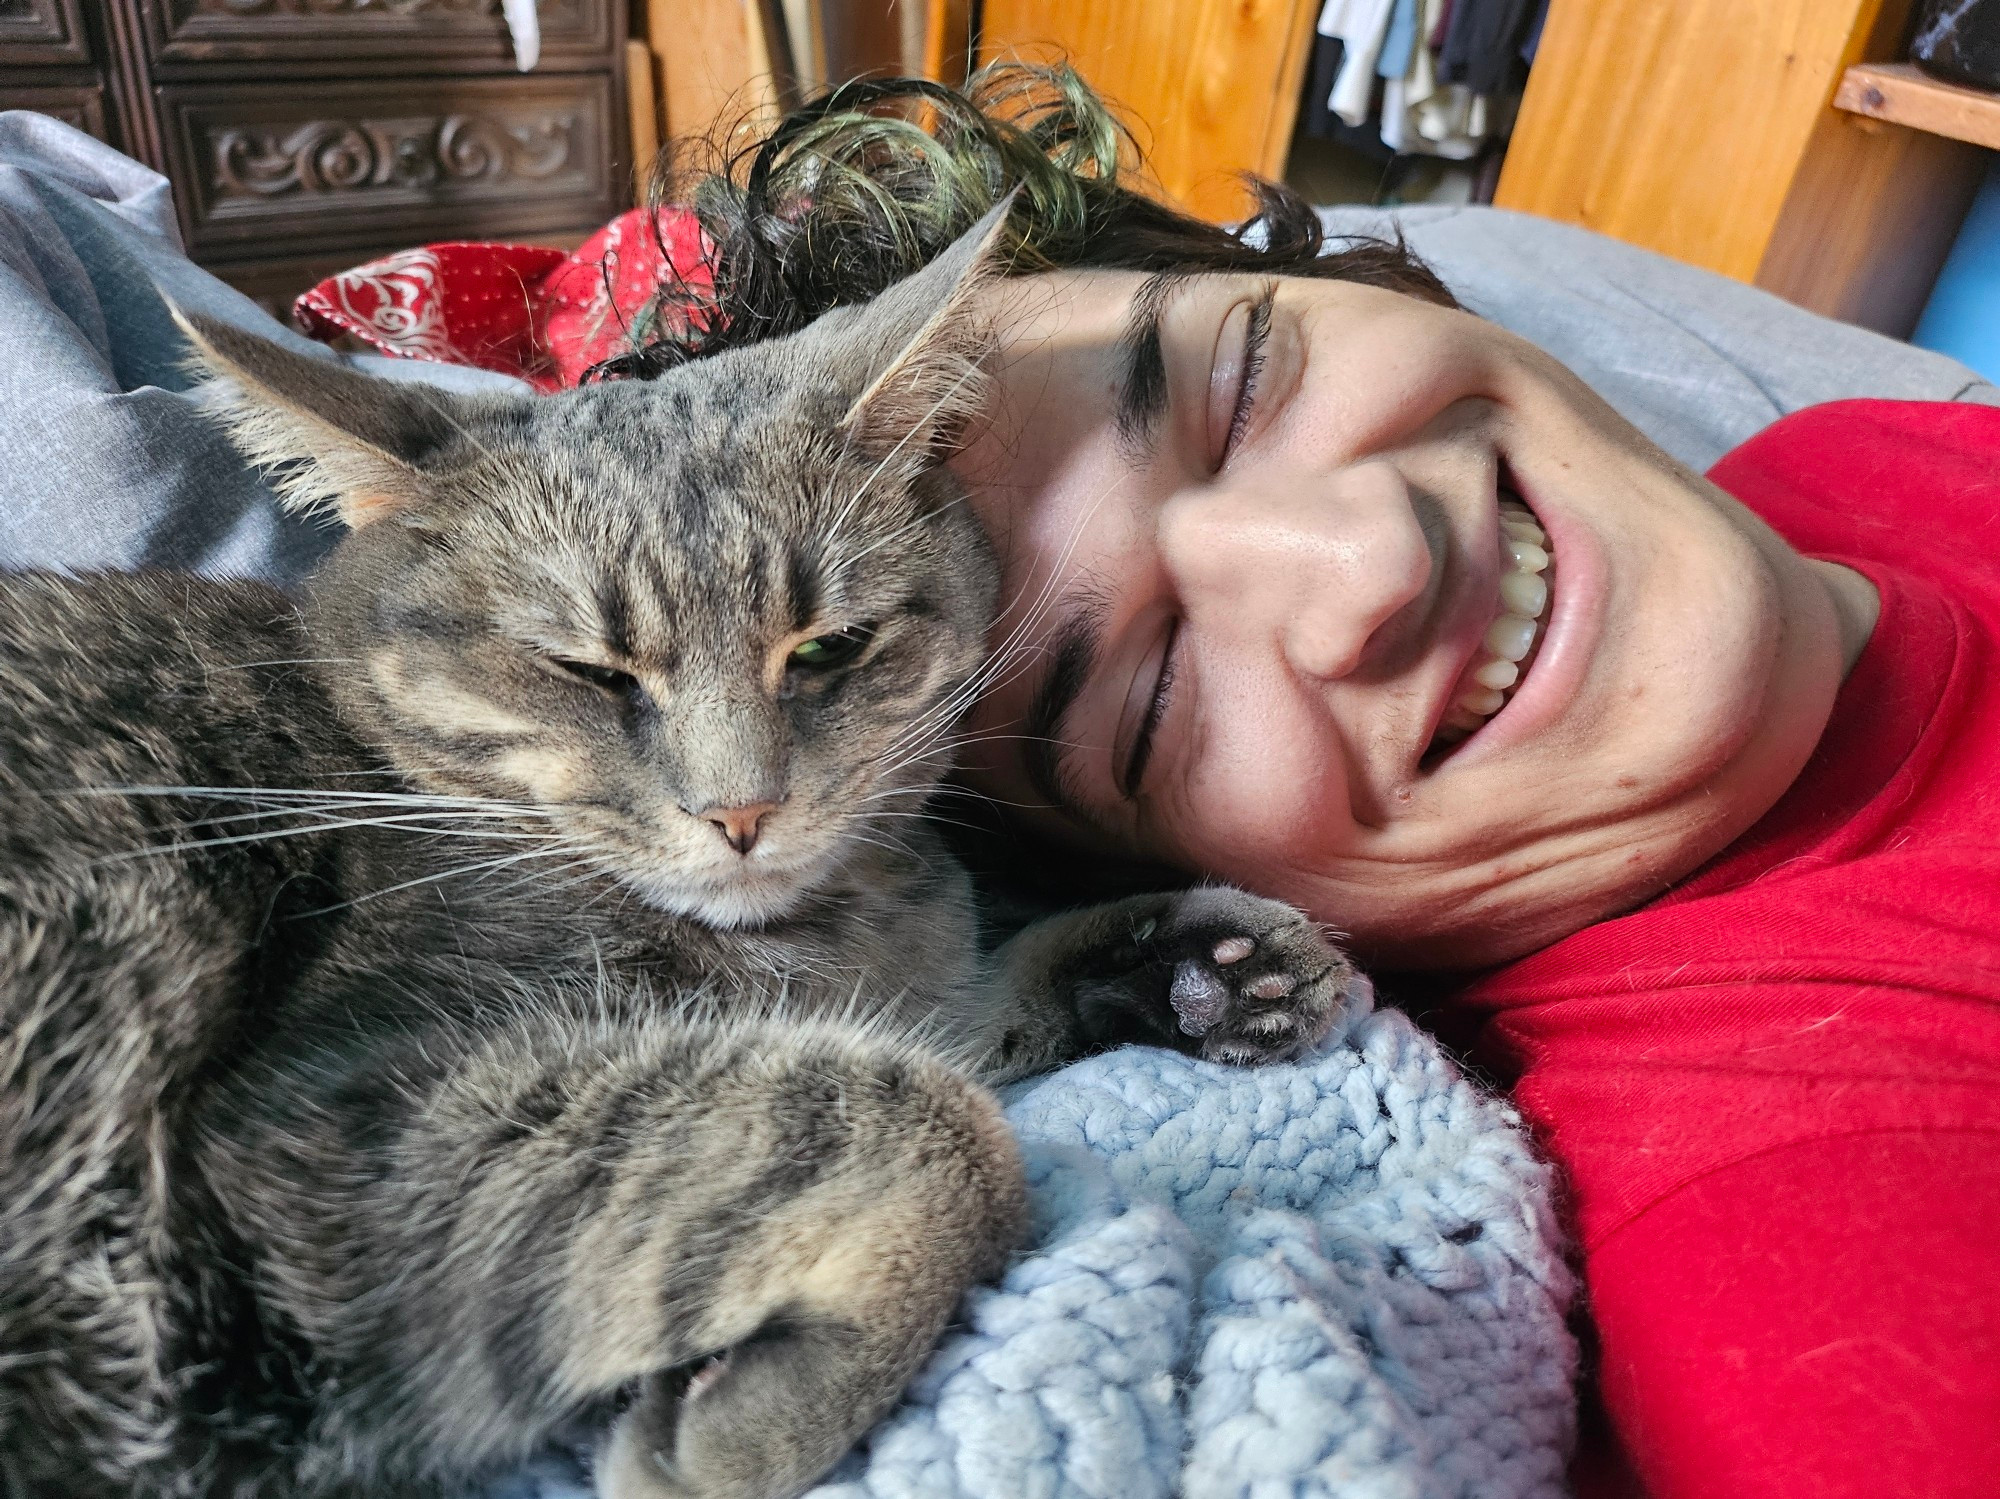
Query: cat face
x=716, y=628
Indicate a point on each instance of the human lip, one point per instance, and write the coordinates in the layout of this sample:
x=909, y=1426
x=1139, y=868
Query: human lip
x=1553, y=674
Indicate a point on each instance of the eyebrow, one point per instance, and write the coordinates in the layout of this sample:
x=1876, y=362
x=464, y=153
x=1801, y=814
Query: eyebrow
x=1142, y=377
x=1072, y=652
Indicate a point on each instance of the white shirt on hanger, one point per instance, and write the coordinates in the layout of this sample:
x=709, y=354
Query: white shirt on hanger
x=1360, y=26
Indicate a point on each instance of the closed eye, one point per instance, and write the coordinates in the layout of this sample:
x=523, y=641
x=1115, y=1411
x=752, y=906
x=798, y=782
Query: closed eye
x=1134, y=774
x=607, y=678
x=1256, y=334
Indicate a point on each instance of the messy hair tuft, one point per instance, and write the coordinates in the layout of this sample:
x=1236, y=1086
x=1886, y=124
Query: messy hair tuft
x=866, y=184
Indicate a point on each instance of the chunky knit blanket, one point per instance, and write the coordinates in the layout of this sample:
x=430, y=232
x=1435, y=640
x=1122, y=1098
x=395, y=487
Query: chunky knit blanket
x=1338, y=1278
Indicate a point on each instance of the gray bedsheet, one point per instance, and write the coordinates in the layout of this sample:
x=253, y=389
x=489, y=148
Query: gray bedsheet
x=106, y=460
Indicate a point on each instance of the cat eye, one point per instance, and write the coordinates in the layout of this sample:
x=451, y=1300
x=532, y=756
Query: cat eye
x=825, y=652
x=609, y=678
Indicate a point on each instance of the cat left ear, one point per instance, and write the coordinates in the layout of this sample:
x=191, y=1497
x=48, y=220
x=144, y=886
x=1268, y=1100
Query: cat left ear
x=333, y=439
x=933, y=379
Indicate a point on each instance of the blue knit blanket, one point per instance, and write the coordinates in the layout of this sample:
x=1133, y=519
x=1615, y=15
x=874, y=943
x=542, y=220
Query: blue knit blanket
x=1336, y=1278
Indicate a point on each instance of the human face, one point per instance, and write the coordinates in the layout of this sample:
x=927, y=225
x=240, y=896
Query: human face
x=1253, y=547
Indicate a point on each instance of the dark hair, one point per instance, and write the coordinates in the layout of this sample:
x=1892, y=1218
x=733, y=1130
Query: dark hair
x=864, y=185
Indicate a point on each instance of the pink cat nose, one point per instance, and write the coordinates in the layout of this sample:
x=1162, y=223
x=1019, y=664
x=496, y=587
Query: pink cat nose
x=740, y=825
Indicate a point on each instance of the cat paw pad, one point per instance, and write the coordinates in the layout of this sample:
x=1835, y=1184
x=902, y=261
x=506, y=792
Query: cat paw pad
x=1248, y=979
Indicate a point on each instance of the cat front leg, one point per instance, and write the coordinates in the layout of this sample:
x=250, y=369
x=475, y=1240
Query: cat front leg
x=731, y=1244
x=827, y=1303
x=1214, y=971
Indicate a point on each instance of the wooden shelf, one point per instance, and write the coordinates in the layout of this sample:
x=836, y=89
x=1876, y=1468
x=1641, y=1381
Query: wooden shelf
x=1902, y=94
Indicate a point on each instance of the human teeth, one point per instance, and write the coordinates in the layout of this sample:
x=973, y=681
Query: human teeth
x=1523, y=593
x=1526, y=555
x=1509, y=637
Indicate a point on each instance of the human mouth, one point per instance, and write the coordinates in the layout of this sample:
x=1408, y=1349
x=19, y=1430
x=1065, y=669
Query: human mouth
x=1507, y=650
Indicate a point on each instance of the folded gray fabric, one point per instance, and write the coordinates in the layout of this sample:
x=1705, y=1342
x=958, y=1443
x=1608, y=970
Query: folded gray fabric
x=1692, y=359
x=105, y=458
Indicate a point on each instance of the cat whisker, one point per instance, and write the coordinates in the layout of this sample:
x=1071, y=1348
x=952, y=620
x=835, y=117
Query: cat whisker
x=455, y=872
x=847, y=510
x=285, y=661
x=1014, y=649
x=420, y=823
x=256, y=793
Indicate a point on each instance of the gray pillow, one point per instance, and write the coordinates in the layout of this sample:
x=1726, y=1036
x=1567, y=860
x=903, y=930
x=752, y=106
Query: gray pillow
x=1692, y=359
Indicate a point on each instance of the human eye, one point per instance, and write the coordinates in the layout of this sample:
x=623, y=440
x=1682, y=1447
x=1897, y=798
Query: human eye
x=1233, y=374
x=1145, y=706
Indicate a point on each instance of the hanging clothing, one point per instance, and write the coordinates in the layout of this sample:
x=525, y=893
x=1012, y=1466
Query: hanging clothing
x=1422, y=114
x=1532, y=43
x=1481, y=41
x=1360, y=26
x=1400, y=41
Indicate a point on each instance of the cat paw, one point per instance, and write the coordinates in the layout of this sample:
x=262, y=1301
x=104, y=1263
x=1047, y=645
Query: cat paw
x=1233, y=977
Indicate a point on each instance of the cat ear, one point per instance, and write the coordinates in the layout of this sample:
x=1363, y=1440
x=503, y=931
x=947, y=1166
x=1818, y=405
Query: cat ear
x=333, y=440
x=930, y=378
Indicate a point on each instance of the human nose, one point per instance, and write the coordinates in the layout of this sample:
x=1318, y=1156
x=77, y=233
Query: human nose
x=1316, y=566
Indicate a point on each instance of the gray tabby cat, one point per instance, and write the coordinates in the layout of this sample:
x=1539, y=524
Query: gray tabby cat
x=506, y=993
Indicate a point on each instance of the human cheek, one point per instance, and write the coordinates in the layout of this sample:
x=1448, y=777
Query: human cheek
x=1265, y=789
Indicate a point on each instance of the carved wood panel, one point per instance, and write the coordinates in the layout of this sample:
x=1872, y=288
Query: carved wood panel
x=80, y=105
x=343, y=31
x=447, y=158
x=42, y=31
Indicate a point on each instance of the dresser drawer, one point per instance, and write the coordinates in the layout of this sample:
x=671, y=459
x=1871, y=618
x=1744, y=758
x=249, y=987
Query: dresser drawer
x=81, y=105
x=339, y=34
x=403, y=160
x=41, y=31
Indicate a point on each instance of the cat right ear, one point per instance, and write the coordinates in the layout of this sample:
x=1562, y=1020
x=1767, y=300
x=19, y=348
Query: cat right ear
x=330, y=439
x=928, y=347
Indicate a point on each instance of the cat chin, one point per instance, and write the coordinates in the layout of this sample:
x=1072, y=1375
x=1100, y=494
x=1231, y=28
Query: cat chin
x=749, y=900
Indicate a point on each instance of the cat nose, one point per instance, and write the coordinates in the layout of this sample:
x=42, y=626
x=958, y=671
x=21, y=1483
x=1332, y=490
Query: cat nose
x=739, y=825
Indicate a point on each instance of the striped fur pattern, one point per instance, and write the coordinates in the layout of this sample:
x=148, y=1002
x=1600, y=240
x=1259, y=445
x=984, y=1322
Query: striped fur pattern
x=411, y=1049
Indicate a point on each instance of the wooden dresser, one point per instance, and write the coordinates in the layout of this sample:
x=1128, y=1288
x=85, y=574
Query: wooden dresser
x=302, y=136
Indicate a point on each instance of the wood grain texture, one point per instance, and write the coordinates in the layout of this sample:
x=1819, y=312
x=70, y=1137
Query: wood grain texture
x=1680, y=127
x=948, y=39
x=1868, y=223
x=1872, y=208
x=714, y=69
x=1210, y=86
x=357, y=163
x=643, y=105
x=42, y=31
x=1904, y=94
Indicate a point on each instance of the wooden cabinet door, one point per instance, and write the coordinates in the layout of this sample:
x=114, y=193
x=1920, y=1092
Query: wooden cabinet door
x=1211, y=87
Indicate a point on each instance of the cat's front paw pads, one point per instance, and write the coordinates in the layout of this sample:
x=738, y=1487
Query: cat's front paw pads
x=1252, y=980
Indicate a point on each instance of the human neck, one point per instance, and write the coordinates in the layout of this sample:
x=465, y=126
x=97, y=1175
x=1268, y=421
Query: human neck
x=1856, y=608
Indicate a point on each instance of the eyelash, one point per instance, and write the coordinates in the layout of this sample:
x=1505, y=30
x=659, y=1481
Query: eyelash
x=1142, y=743
x=1253, y=366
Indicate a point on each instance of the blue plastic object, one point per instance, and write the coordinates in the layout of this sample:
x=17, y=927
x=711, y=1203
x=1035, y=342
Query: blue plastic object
x=1962, y=318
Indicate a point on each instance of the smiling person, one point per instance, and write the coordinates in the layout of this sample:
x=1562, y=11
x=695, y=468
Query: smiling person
x=1677, y=799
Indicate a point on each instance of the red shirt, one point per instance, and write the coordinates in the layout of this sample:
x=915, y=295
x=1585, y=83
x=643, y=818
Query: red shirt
x=1775, y=1090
